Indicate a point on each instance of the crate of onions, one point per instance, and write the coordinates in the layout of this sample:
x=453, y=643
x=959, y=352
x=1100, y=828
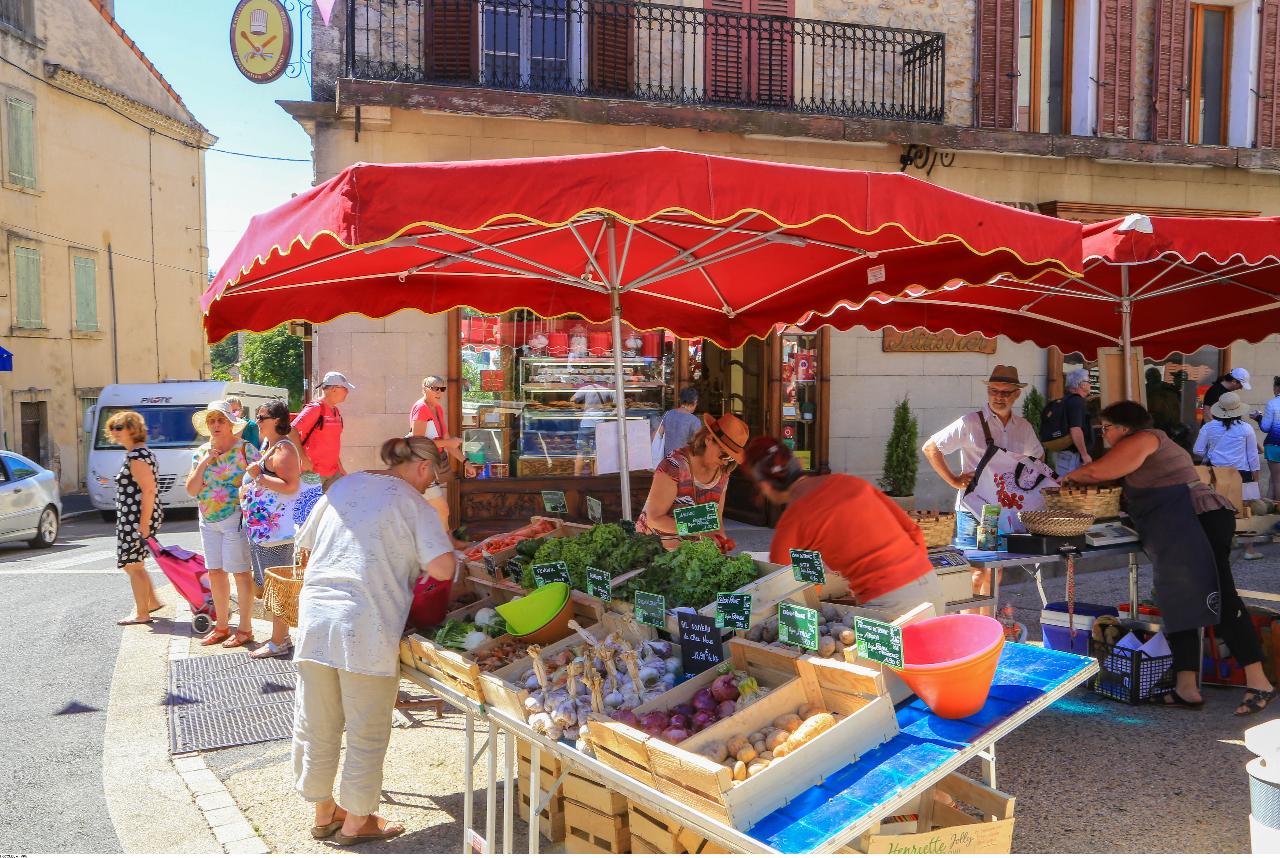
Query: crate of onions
x=741, y=740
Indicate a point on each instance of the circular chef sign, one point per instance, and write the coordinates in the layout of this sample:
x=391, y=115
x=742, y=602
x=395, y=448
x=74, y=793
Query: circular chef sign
x=261, y=39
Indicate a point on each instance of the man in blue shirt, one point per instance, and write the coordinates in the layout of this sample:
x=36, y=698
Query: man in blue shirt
x=678, y=425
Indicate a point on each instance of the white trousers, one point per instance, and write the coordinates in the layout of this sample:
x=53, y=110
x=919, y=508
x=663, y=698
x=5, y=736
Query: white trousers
x=329, y=702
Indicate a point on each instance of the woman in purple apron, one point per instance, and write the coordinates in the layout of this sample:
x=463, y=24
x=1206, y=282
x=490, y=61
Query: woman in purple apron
x=1186, y=529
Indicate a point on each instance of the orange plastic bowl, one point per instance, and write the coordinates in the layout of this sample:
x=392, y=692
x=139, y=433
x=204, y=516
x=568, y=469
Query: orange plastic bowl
x=950, y=662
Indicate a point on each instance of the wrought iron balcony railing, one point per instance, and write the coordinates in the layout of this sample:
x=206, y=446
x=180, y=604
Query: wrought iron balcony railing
x=651, y=52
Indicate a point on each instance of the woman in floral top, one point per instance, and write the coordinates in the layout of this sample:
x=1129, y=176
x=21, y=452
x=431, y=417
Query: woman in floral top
x=217, y=469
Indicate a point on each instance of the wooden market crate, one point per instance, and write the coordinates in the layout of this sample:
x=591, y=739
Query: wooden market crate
x=589, y=830
x=773, y=584
x=655, y=834
x=481, y=570
x=550, y=821
x=855, y=694
x=460, y=670
x=502, y=689
x=986, y=829
x=590, y=793
x=548, y=764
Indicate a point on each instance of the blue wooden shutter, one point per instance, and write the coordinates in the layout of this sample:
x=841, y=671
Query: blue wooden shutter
x=86, y=283
x=26, y=263
x=22, y=142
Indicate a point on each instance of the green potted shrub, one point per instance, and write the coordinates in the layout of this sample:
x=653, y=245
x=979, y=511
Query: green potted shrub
x=1033, y=407
x=898, y=479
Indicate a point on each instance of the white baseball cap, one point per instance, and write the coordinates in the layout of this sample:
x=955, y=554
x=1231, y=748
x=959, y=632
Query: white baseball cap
x=1241, y=375
x=337, y=379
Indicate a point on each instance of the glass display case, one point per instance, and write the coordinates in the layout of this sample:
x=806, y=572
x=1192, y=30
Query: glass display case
x=800, y=378
x=538, y=394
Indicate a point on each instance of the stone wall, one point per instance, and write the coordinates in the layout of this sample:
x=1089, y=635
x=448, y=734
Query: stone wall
x=1143, y=66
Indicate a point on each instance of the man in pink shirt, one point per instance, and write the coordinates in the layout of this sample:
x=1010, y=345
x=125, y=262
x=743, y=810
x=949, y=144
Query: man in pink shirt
x=317, y=430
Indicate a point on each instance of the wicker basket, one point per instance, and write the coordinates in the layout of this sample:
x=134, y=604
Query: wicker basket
x=283, y=586
x=939, y=528
x=1046, y=522
x=1096, y=501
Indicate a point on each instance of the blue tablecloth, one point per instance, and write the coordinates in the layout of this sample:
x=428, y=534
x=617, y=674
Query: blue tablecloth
x=925, y=742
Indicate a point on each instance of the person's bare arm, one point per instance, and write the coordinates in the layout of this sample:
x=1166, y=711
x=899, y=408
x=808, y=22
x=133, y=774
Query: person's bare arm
x=419, y=428
x=1082, y=446
x=657, y=506
x=935, y=458
x=1121, y=460
x=288, y=467
x=145, y=476
x=442, y=568
x=302, y=452
x=195, y=479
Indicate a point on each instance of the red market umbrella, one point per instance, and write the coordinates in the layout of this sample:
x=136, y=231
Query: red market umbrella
x=702, y=245
x=1167, y=284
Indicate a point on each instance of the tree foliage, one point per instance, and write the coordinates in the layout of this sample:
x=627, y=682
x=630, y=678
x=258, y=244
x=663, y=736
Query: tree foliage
x=1033, y=407
x=274, y=358
x=223, y=356
x=900, y=459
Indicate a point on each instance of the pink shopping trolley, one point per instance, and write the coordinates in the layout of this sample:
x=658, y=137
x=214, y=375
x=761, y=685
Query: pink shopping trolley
x=185, y=570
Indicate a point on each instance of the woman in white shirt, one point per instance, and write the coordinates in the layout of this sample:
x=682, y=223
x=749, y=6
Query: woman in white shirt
x=1228, y=442
x=1270, y=423
x=370, y=539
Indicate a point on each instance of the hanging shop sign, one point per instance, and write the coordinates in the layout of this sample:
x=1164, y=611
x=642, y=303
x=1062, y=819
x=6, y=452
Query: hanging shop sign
x=920, y=340
x=261, y=39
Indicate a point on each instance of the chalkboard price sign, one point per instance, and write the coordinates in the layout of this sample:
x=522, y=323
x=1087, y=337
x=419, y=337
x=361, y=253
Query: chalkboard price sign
x=797, y=626
x=700, y=518
x=651, y=609
x=807, y=566
x=701, y=645
x=548, y=573
x=878, y=641
x=733, y=610
x=514, y=569
x=599, y=584
x=490, y=565
x=554, y=502
x=595, y=511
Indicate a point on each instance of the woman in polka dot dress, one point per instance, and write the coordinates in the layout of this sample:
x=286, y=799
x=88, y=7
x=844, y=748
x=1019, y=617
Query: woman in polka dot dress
x=138, y=512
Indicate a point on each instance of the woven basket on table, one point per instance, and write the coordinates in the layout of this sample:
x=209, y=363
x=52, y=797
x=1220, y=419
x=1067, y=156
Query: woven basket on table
x=281, y=591
x=1046, y=522
x=1096, y=501
x=938, y=527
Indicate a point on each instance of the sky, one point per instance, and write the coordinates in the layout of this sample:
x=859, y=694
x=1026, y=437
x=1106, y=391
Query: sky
x=188, y=42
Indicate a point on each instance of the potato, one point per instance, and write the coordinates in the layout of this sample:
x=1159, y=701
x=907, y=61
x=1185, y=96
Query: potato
x=776, y=739
x=757, y=767
x=837, y=628
x=716, y=752
x=739, y=771
x=767, y=755
x=746, y=755
x=780, y=751
x=760, y=747
x=755, y=737
x=826, y=646
x=787, y=722
x=809, y=711
x=847, y=637
x=734, y=745
x=756, y=634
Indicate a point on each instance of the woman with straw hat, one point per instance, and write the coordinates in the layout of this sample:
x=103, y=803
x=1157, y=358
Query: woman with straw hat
x=217, y=470
x=695, y=474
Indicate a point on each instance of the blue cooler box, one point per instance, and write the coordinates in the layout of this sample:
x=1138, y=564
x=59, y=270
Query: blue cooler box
x=1057, y=633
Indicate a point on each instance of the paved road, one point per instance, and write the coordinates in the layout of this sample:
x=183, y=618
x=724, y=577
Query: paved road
x=60, y=645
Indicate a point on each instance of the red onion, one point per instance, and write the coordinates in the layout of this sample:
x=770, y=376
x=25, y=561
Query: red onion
x=675, y=735
x=653, y=723
x=686, y=709
x=725, y=709
x=724, y=688
x=627, y=716
x=703, y=699
x=678, y=720
x=702, y=719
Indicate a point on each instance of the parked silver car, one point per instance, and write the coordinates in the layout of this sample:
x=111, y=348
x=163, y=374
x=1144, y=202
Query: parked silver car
x=30, y=502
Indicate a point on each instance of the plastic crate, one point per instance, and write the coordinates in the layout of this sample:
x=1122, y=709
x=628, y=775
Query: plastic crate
x=1129, y=675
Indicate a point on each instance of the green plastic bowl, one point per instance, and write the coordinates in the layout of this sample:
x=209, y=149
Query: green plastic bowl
x=542, y=617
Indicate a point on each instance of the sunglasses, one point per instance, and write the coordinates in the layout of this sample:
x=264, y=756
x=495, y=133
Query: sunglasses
x=115, y=427
x=439, y=389
x=1003, y=394
x=259, y=418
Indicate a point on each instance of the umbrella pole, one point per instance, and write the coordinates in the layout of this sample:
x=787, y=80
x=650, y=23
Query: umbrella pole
x=619, y=395
x=620, y=401
x=1126, y=334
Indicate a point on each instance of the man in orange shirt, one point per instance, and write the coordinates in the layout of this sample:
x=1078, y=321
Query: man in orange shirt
x=862, y=534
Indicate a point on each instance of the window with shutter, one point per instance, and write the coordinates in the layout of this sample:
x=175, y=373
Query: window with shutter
x=85, y=271
x=1210, y=67
x=1044, y=65
x=1269, y=76
x=770, y=52
x=726, y=51
x=749, y=59
x=26, y=275
x=450, y=38
x=20, y=117
x=611, y=54
x=1115, y=68
x=997, y=63
x=1168, y=121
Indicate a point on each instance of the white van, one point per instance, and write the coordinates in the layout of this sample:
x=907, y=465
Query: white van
x=167, y=408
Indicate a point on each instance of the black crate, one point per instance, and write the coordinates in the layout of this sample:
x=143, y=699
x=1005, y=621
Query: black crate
x=1124, y=673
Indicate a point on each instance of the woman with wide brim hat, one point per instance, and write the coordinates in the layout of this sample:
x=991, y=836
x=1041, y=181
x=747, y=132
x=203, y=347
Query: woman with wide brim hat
x=697, y=473
x=217, y=469
x=1227, y=441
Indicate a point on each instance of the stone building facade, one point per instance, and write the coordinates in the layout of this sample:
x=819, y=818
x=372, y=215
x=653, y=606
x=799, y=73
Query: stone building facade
x=409, y=115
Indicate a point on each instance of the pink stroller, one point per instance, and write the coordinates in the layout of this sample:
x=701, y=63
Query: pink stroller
x=185, y=570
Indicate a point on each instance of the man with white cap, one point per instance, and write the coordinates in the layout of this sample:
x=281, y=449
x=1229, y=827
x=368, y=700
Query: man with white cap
x=317, y=430
x=1237, y=379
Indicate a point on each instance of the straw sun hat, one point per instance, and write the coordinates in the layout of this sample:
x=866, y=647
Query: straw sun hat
x=200, y=419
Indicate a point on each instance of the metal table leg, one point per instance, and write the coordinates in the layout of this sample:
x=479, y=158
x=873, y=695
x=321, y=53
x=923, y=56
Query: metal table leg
x=491, y=791
x=510, y=794
x=1044, y=599
x=988, y=759
x=469, y=744
x=535, y=794
x=1133, y=586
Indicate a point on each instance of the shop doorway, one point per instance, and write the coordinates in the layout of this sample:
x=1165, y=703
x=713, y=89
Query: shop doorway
x=34, y=418
x=736, y=381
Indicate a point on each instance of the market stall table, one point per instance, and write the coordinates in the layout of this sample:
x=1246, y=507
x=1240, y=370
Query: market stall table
x=848, y=804
x=998, y=560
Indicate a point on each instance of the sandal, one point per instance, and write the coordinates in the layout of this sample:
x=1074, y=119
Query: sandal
x=215, y=637
x=271, y=649
x=324, y=832
x=133, y=621
x=1255, y=701
x=1178, y=701
x=239, y=638
x=392, y=829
